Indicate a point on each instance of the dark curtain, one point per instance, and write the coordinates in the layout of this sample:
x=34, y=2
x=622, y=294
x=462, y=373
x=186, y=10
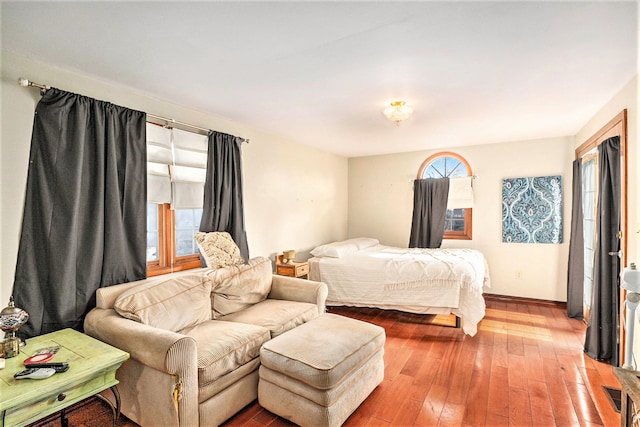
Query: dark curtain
x=429, y=212
x=84, y=221
x=575, y=276
x=223, y=206
x=601, y=342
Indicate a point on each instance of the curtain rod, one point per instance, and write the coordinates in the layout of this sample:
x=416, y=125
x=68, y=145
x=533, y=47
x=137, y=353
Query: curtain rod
x=43, y=88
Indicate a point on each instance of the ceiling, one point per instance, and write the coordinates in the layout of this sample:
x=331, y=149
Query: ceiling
x=320, y=73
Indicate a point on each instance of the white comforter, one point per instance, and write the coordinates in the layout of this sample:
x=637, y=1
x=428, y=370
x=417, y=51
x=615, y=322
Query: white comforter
x=429, y=281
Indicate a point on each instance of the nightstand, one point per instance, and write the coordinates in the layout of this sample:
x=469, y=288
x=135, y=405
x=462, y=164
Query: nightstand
x=292, y=269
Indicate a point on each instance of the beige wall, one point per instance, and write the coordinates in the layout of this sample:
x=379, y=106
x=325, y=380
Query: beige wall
x=295, y=195
x=381, y=201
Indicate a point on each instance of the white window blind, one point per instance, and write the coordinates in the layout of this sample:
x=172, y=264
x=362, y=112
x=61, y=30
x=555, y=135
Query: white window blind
x=176, y=167
x=460, y=193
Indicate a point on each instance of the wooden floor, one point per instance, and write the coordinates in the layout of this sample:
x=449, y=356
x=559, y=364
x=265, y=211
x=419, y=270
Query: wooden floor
x=525, y=367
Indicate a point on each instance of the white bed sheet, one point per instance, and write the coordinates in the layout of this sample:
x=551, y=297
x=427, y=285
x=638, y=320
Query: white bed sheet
x=424, y=281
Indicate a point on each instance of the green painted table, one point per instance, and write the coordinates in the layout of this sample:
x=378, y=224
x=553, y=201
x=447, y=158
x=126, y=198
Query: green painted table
x=92, y=369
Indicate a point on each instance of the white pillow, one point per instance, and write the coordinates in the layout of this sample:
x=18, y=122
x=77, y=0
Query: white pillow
x=344, y=247
x=364, y=242
x=335, y=249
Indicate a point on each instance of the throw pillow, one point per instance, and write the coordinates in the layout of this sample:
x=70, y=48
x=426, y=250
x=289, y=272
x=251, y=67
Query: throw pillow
x=236, y=287
x=219, y=249
x=170, y=304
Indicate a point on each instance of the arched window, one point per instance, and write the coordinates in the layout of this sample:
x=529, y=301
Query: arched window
x=450, y=165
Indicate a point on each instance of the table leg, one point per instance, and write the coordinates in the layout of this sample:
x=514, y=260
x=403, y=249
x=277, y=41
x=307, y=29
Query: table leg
x=114, y=409
x=116, y=394
x=64, y=421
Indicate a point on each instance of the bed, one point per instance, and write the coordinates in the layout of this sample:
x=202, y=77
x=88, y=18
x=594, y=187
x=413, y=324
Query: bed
x=363, y=273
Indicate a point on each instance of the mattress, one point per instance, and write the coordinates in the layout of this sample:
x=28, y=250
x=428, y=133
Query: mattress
x=415, y=280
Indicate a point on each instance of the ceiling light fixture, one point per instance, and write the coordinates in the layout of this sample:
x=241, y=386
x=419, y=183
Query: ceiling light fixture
x=398, y=111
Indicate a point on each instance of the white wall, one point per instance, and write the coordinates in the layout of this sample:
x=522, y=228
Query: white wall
x=626, y=98
x=295, y=195
x=381, y=202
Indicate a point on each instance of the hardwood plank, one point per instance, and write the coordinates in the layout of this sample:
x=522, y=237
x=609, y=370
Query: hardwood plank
x=461, y=375
x=265, y=417
x=515, y=345
x=585, y=408
x=498, y=403
x=517, y=372
x=477, y=403
x=376, y=422
x=500, y=351
x=451, y=415
x=519, y=408
x=541, y=410
x=570, y=371
x=395, y=359
x=561, y=403
x=407, y=413
x=533, y=362
x=396, y=397
x=432, y=406
x=494, y=420
x=414, y=362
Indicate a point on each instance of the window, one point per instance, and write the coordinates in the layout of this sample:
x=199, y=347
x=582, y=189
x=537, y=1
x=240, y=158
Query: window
x=176, y=167
x=170, y=242
x=450, y=165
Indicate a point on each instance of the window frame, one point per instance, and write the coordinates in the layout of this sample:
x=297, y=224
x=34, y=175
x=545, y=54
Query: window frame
x=167, y=261
x=467, y=233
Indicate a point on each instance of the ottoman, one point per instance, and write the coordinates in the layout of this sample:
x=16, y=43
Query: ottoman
x=318, y=373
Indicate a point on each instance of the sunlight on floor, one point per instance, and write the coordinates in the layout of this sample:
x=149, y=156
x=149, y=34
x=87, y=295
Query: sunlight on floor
x=502, y=322
x=518, y=317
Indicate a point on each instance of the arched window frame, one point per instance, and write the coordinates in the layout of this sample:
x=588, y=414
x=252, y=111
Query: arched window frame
x=466, y=233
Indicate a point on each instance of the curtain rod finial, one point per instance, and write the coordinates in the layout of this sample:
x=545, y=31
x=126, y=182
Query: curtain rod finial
x=23, y=82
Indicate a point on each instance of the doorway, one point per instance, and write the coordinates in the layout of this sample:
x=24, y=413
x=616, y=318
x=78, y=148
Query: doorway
x=603, y=192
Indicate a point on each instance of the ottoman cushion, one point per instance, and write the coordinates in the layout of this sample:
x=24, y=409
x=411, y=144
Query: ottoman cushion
x=319, y=373
x=322, y=352
x=326, y=398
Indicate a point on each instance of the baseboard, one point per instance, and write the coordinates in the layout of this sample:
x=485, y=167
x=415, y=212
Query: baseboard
x=523, y=300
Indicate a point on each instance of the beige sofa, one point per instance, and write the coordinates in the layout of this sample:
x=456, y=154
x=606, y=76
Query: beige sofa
x=195, y=337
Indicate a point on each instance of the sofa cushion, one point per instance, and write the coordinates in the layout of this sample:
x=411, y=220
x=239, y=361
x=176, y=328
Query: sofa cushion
x=237, y=287
x=278, y=316
x=170, y=304
x=106, y=297
x=218, y=249
x=224, y=347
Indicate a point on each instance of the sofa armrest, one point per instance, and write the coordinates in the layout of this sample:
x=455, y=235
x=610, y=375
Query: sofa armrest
x=294, y=289
x=165, y=351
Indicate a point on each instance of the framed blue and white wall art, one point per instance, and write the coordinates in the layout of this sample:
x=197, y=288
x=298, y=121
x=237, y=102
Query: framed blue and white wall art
x=532, y=209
